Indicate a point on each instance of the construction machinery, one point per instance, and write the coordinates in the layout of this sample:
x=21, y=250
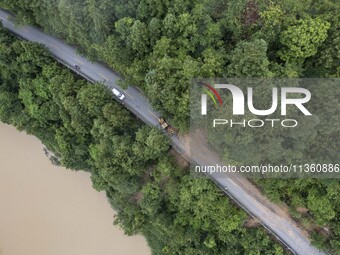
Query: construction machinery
x=169, y=129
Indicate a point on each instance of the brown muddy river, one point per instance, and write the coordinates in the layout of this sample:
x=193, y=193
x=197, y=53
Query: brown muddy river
x=48, y=210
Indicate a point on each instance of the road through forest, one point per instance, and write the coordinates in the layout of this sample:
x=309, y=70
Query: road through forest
x=245, y=194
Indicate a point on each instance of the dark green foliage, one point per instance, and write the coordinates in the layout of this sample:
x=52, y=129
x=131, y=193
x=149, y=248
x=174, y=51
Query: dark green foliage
x=249, y=59
x=86, y=129
x=160, y=46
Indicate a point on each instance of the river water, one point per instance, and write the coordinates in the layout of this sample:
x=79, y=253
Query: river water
x=48, y=210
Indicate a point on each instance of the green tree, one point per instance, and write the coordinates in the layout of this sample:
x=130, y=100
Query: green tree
x=303, y=39
x=150, y=143
x=249, y=59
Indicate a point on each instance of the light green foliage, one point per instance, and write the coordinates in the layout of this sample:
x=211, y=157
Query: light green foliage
x=192, y=200
x=151, y=199
x=273, y=18
x=93, y=98
x=303, y=39
x=86, y=129
x=160, y=46
x=139, y=38
x=150, y=143
x=321, y=207
x=249, y=59
x=320, y=199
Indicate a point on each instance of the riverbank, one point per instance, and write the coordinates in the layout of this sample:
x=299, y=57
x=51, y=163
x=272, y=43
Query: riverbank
x=46, y=209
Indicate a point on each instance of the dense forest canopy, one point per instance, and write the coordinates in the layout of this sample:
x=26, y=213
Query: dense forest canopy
x=87, y=129
x=160, y=46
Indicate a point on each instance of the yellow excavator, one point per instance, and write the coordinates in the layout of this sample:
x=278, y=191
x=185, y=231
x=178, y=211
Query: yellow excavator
x=169, y=129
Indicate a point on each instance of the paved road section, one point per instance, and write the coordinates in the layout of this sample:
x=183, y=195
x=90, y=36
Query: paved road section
x=273, y=218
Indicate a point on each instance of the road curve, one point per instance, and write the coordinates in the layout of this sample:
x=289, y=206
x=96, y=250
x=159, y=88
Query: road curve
x=239, y=189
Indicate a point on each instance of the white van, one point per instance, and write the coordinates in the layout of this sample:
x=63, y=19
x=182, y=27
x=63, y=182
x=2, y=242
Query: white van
x=118, y=94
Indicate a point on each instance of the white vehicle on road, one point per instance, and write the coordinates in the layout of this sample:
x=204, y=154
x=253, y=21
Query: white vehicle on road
x=118, y=94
